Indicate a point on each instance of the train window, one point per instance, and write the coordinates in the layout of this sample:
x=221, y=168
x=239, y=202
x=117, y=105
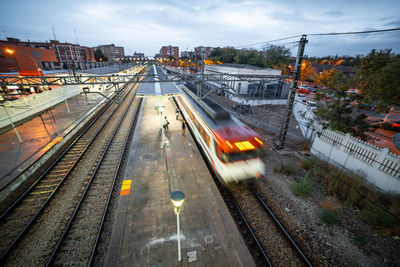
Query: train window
x=207, y=139
x=243, y=155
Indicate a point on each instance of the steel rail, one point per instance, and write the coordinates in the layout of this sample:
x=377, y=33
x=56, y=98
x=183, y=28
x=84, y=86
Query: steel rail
x=45, y=203
x=72, y=217
x=112, y=189
x=286, y=234
x=224, y=191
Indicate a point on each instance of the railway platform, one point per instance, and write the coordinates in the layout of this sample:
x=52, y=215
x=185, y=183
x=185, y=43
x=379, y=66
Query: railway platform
x=38, y=133
x=144, y=228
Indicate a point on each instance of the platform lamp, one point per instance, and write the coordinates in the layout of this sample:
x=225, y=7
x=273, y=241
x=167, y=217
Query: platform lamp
x=38, y=70
x=177, y=199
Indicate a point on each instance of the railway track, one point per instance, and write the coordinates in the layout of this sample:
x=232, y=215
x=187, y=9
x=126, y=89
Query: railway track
x=275, y=241
x=45, y=207
x=78, y=243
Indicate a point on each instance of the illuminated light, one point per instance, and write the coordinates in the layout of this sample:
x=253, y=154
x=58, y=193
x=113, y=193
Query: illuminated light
x=258, y=175
x=10, y=51
x=245, y=145
x=258, y=140
x=229, y=144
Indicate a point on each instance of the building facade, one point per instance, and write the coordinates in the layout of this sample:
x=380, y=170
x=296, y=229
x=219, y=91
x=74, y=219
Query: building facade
x=203, y=52
x=46, y=55
x=111, y=51
x=27, y=59
x=187, y=54
x=169, y=51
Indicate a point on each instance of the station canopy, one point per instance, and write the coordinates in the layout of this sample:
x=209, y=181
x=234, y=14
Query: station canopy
x=151, y=87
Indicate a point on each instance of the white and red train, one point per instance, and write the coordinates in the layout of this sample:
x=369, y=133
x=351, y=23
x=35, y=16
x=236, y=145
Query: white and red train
x=232, y=148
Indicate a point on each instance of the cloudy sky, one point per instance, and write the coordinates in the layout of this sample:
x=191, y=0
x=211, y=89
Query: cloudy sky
x=146, y=25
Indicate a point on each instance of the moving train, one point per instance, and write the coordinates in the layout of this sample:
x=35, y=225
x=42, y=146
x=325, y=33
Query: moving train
x=232, y=148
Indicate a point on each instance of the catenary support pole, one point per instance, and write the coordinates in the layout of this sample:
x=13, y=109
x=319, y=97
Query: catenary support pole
x=292, y=92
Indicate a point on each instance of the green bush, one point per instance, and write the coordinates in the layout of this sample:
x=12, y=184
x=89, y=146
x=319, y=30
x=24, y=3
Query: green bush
x=329, y=217
x=290, y=168
x=377, y=216
x=360, y=239
x=306, y=164
x=302, y=187
x=277, y=168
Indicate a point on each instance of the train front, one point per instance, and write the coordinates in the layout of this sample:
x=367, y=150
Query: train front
x=239, y=149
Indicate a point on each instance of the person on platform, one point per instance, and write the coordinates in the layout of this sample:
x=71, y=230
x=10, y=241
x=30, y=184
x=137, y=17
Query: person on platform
x=183, y=128
x=166, y=123
x=177, y=114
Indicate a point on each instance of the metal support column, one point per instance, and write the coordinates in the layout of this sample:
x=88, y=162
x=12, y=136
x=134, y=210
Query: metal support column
x=292, y=92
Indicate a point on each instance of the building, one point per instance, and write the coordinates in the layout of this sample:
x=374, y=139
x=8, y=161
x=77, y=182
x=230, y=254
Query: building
x=111, y=51
x=47, y=55
x=169, y=51
x=187, y=54
x=138, y=55
x=68, y=53
x=203, y=52
x=25, y=57
x=275, y=88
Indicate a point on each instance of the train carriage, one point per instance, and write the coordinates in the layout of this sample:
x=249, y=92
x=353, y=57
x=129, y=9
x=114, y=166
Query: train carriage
x=232, y=148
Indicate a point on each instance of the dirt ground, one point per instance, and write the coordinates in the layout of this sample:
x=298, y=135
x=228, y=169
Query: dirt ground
x=325, y=245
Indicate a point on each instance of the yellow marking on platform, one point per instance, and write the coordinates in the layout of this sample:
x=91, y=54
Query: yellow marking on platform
x=126, y=187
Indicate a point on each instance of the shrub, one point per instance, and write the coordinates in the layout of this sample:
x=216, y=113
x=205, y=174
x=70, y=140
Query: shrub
x=330, y=204
x=302, y=187
x=306, y=164
x=277, y=168
x=290, y=168
x=377, y=216
x=360, y=239
x=329, y=217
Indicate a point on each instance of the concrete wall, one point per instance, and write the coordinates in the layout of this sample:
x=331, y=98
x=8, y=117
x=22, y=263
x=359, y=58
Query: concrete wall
x=380, y=166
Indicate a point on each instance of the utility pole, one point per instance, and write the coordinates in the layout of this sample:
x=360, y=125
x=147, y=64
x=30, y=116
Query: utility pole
x=292, y=92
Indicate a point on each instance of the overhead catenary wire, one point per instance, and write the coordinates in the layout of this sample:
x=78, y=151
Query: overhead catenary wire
x=319, y=34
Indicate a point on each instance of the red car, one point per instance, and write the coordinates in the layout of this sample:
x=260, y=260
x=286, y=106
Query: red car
x=303, y=90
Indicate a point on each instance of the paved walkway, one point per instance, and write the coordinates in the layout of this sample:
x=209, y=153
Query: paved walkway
x=144, y=232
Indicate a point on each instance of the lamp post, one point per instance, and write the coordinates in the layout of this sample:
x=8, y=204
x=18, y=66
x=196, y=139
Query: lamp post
x=10, y=51
x=177, y=199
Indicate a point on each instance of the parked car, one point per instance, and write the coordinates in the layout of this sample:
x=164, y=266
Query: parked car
x=311, y=104
x=303, y=90
x=367, y=106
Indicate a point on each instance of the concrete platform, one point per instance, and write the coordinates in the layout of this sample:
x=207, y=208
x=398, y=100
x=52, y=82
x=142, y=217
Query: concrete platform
x=144, y=230
x=37, y=133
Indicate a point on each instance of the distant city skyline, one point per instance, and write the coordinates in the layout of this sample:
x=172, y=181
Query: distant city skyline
x=147, y=26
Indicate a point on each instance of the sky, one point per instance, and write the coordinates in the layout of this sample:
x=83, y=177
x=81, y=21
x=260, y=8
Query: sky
x=146, y=25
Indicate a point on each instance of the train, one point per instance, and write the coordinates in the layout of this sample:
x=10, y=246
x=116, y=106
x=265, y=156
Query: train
x=233, y=149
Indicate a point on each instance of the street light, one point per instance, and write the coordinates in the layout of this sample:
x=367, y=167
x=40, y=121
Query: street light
x=177, y=199
x=10, y=51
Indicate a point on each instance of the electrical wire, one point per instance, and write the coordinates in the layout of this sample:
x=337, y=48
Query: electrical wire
x=319, y=34
x=360, y=32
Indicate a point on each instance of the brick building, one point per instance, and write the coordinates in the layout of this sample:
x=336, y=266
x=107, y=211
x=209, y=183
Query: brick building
x=111, y=51
x=46, y=55
x=72, y=53
x=167, y=51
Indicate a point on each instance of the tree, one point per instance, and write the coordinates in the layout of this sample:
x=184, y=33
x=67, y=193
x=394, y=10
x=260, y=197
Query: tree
x=99, y=56
x=275, y=55
x=338, y=113
x=324, y=77
x=379, y=78
x=307, y=72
